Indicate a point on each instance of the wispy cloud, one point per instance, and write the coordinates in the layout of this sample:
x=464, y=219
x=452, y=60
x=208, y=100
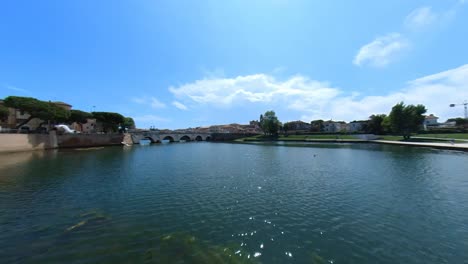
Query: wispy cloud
x=311, y=99
x=420, y=18
x=385, y=49
x=150, y=119
x=257, y=88
x=381, y=51
x=155, y=103
x=179, y=105
x=150, y=101
x=16, y=89
x=139, y=100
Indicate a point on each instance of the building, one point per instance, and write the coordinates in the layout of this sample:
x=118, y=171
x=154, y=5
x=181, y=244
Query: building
x=298, y=125
x=334, y=126
x=430, y=121
x=356, y=126
x=91, y=126
x=17, y=117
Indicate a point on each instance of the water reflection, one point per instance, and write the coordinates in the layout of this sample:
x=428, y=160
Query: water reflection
x=235, y=203
x=18, y=158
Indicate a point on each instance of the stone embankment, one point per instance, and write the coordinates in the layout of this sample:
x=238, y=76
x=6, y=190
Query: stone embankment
x=28, y=142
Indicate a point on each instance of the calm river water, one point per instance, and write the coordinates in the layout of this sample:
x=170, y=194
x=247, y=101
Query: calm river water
x=235, y=203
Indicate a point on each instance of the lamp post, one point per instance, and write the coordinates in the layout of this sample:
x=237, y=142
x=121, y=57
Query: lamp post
x=465, y=105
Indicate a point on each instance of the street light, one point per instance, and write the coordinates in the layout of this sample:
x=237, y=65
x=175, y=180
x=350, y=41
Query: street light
x=465, y=104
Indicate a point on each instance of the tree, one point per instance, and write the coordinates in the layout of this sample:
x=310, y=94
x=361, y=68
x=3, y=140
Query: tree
x=46, y=111
x=458, y=121
x=375, y=124
x=270, y=123
x=79, y=116
x=260, y=123
x=4, y=112
x=405, y=120
x=110, y=121
x=286, y=127
x=129, y=123
x=316, y=125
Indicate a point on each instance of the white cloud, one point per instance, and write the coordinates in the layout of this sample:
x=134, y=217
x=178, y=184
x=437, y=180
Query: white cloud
x=16, y=89
x=139, y=100
x=155, y=103
x=420, y=18
x=382, y=50
x=150, y=119
x=179, y=105
x=150, y=101
x=310, y=99
x=257, y=88
x=386, y=49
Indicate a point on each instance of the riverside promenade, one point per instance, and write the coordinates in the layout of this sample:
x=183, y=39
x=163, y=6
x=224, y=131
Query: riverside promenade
x=448, y=145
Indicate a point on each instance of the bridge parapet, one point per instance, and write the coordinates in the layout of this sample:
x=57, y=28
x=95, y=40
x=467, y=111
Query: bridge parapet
x=157, y=137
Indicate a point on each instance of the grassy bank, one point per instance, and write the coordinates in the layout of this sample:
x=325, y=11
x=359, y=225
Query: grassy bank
x=330, y=137
x=446, y=136
x=459, y=138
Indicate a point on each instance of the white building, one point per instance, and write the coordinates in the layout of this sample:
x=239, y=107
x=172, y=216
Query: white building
x=332, y=126
x=356, y=126
x=430, y=121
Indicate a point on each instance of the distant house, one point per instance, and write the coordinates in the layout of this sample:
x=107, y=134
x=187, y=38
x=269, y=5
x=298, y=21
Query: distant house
x=356, y=126
x=334, y=126
x=91, y=126
x=298, y=125
x=17, y=116
x=430, y=121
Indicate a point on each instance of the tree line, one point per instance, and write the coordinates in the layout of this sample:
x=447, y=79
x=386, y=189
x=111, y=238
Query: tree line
x=51, y=112
x=402, y=120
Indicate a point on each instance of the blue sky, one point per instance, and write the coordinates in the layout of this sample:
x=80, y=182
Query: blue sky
x=176, y=64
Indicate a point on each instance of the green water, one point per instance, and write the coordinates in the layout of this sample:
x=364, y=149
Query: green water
x=235, y=203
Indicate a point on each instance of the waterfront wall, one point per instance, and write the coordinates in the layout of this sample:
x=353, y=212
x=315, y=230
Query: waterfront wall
x=230, y=136
x=88, y=140
x=28, y=142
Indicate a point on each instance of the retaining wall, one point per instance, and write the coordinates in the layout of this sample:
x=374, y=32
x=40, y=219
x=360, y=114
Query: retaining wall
x=28, y=142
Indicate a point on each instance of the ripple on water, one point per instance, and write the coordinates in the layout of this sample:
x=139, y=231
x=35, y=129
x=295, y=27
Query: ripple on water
x=274, y=204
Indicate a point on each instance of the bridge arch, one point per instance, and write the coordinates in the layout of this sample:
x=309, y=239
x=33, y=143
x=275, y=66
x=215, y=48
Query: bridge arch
x=198, y=138
x=152, y=139
x=186, y=138
x=208, y=138
x=171, y=139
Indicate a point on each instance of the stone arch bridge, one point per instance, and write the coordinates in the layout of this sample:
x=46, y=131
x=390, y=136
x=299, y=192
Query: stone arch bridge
x=157, y=137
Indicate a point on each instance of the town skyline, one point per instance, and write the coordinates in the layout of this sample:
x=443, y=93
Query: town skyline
x=187, y=64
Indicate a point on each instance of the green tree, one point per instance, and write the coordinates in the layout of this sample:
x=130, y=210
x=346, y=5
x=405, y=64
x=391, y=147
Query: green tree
x=459, y=121
x=286, y=127
x=110, y=121
x=270, y=123
x=375, y=124
x=129, y=123
x=4, y=112
x=260, y=123
x=46, y=111
x=79, y=116
x=405, y=120
x=316, y=125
